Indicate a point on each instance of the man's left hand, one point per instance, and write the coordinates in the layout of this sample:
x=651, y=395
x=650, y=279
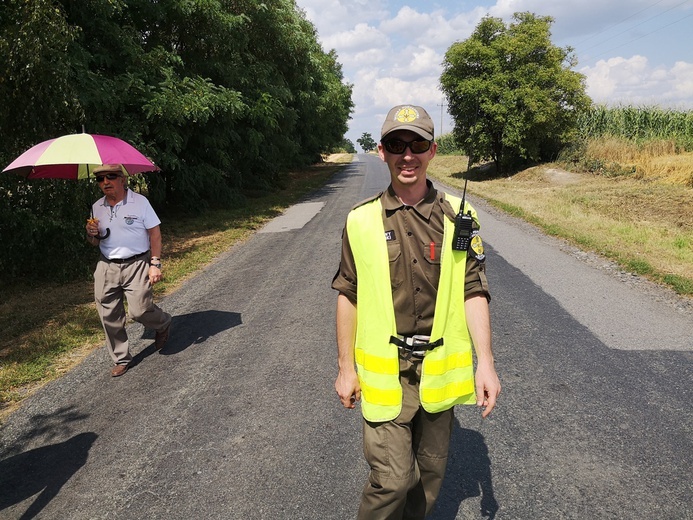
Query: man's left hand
x=154, y=274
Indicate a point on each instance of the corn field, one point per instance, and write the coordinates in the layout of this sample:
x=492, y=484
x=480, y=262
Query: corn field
x=638, y=124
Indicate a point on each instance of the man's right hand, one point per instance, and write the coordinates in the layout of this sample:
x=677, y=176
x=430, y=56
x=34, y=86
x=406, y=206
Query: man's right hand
x=92, y=227
x=348, y=388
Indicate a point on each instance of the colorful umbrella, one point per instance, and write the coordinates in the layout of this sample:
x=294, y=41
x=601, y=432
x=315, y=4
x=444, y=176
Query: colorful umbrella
x=75, y=156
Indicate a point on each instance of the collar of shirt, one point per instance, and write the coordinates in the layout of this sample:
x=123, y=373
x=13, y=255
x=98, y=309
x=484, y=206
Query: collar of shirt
x=122, y=202
x=424, y=207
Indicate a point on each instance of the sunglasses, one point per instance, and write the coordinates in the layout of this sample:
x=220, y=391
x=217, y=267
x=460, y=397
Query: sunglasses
x=397, y=146
x=109, y=176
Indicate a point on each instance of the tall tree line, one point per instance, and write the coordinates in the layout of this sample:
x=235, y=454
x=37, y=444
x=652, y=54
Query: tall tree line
x=224, y=95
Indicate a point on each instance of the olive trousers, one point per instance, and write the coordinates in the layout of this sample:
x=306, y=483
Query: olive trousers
x=407, y=455
x=113, y=284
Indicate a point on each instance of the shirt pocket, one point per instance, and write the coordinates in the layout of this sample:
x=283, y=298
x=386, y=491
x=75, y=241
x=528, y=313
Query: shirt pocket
x=394, y=254
x=432, y=252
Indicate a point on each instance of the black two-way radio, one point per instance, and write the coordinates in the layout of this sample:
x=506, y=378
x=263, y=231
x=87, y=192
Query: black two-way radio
x=463, y=226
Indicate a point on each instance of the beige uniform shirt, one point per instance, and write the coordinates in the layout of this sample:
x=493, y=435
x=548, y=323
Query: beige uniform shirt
x=414, y=236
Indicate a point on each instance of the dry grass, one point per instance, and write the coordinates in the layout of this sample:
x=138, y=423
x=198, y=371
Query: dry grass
x=658, y=160
x=645, y=224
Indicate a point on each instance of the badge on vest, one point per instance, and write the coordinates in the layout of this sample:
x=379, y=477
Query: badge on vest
x=390, y=235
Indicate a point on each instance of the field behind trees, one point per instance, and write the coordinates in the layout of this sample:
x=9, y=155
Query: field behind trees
x=641, y=142
x=639, y=124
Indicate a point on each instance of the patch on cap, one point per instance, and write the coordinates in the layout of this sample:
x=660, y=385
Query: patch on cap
x=408, y=117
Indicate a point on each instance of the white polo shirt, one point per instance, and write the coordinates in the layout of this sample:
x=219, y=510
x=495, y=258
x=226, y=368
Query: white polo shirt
x=128, y=221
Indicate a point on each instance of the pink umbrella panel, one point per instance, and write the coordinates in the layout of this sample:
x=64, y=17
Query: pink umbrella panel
x=75, y=156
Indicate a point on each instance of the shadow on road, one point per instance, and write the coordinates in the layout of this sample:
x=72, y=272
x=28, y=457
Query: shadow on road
x=468, y=475
x=191, y=329
x=42, y=470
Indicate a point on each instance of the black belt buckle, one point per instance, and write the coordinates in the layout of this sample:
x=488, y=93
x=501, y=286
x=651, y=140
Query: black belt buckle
x=416, y=345
x=125, y=260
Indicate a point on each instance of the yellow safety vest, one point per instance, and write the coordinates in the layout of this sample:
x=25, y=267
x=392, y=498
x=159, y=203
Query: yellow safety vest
x=447, y=376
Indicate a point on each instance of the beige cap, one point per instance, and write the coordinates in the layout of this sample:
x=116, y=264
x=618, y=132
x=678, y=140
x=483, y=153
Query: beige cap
x=108, y=168
x=408, y=117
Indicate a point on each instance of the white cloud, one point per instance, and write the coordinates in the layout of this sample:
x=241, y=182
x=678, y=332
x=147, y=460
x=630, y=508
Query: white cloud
x=391, y=91
x=633, y=81
x=682, y=74
x=450, y=29
x=407, y=23
x=371, y=57
x=361, y=37
x=426, y=60
x=331, y=16
x=436, y=29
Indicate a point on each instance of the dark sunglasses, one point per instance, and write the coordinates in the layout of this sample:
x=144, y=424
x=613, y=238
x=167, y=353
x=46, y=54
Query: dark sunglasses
x=397, y=146
x=109, y=176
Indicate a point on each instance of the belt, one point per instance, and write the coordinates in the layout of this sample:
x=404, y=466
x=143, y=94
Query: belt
x=416, y=345
x=125, y=260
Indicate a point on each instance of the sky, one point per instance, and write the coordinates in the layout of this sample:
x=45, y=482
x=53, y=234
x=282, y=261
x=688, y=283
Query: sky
x=632, y=52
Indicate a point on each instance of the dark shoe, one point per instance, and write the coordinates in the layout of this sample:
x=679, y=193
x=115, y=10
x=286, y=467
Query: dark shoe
x=119, y=370
x=161, y=337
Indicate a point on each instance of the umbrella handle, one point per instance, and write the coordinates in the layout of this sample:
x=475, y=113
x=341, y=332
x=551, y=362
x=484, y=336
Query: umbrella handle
x=105, y=235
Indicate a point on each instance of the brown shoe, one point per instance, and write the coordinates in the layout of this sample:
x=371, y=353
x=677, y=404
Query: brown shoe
x=119, y=370
x=161, y=337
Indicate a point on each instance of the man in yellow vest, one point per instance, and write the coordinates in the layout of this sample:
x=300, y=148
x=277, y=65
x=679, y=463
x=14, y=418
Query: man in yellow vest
x=413, y=301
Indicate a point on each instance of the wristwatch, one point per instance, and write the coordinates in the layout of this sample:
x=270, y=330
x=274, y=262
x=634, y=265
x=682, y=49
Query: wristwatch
x=155, y=262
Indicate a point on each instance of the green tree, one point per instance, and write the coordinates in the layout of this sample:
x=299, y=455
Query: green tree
x=366, y=142
x=511, y=92
x=447, y=145
x=36, y=91
x=347, y=146
x=225, y=95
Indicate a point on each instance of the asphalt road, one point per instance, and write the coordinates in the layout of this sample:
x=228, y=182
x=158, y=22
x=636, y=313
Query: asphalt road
x=237, y=417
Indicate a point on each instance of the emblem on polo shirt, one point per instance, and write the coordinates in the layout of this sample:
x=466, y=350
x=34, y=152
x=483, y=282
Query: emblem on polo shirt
x=407, y=115
x=129, y=220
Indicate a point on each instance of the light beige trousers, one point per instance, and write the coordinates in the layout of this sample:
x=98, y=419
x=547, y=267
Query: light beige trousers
x=113, y=284
x=407, y=456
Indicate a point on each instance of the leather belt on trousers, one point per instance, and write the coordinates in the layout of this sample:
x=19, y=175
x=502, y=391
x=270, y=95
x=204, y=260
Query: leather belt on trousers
x=416, y=345
x=125, y=260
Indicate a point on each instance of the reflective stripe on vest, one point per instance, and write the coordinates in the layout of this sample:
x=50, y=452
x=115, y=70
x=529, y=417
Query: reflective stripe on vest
x=447, y=373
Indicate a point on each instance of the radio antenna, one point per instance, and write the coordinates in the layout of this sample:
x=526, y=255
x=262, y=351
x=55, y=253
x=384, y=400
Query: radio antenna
x=464, y=195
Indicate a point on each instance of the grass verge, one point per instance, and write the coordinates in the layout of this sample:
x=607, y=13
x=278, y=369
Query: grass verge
x=48, y=329
x=643, y=224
